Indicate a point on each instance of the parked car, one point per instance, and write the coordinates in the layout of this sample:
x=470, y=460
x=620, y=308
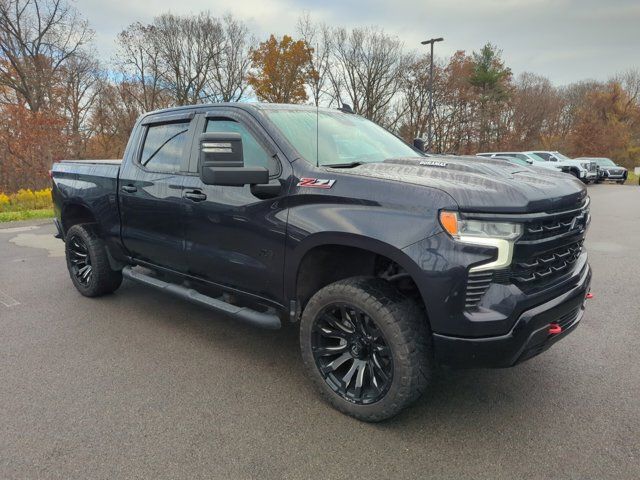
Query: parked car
x=574, y=168
x=609, y=169
x=391, y=260
x=569, y=165
x=514, y=160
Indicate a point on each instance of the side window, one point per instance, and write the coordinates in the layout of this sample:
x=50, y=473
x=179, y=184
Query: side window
x=255, y=155
x=164, y=146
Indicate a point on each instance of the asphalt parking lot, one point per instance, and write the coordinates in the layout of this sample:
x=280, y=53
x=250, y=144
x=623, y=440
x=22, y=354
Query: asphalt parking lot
x=139, y=385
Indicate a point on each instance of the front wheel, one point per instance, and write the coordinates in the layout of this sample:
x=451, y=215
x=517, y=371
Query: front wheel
x=88, y=263
x=366, y=347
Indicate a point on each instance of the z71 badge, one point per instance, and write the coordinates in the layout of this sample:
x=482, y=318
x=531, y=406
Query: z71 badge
x=316, y=183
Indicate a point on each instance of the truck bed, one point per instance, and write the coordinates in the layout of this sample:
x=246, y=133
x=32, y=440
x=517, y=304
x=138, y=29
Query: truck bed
x=92, y=184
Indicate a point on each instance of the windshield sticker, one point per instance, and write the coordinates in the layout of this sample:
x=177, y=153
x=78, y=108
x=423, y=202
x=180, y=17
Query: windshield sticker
x=433, y=163
x=316, y=183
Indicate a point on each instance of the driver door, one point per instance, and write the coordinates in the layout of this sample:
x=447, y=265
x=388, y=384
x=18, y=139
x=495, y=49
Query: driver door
x=233, y=238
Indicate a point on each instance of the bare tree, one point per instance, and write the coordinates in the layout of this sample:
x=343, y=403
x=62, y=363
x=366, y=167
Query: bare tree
x=414, y=103
x=81, y=77
x=37, y=37
x=189, y=47
x=318, y=37
x=535, y=110
x=366, y=71
x=139, y=61
x=227, y=79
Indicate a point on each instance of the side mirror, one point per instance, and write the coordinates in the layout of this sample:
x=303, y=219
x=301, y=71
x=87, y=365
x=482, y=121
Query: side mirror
x=222, y=161
x=419, y=144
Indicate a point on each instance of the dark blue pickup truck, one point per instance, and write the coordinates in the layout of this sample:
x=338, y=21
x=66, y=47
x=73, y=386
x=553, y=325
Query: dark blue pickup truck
x=391, y=260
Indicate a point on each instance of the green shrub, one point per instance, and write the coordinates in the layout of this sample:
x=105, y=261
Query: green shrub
x=26, y=200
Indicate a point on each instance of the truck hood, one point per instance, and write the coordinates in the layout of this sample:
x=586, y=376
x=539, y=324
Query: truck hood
x=483, y=184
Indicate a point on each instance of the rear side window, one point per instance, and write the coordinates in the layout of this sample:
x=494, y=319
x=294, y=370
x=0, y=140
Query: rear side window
x=164, y=146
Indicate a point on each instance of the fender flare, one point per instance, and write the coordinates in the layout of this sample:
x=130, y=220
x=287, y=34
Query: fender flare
x=294, y=258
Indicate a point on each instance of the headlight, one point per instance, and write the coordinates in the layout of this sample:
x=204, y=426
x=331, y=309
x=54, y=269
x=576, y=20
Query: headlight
x=461, y=228
x=500, y=235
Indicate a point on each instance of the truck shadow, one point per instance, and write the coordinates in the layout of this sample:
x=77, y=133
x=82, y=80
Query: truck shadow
x=458, y=399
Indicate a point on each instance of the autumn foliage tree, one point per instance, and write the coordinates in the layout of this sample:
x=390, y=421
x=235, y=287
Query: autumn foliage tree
x=281, y=69
x=606, y=122
x=59, y=100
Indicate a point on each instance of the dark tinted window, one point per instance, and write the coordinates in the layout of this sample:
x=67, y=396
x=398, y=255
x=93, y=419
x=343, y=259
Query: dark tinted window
x=164, y=147
x=255, y=155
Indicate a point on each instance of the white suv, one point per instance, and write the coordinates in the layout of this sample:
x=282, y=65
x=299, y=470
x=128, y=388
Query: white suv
x=552, y=160
x=567, y=164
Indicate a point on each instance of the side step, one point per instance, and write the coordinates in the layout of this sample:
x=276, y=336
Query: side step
x=260, y=319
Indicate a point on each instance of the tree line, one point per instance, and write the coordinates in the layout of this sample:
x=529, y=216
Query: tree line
x=58, y=99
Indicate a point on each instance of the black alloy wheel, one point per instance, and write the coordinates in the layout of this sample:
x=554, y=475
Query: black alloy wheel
x=80, y=260
x=351, y=354
x=366, y=347
x=88, y=262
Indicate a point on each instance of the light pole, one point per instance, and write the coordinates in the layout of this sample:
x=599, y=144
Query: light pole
x=430, y=117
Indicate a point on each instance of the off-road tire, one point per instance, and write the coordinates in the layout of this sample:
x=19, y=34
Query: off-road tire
x=405, y=330
x=103, y=279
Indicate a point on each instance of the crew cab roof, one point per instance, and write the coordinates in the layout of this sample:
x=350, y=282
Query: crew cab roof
x=246, y=106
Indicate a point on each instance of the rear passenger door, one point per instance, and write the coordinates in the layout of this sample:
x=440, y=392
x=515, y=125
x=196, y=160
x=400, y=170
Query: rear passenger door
x=150, y=183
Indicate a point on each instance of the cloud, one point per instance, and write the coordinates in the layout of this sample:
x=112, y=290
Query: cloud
x=564, y=40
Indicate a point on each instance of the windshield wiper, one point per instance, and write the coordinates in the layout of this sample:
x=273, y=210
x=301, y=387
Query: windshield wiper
x=344, y=165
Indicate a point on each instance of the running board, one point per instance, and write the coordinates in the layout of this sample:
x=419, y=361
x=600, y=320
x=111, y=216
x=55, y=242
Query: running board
x=260, y=319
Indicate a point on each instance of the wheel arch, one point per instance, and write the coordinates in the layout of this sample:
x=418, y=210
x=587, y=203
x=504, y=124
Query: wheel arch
x=326, y=257
x=75, y=213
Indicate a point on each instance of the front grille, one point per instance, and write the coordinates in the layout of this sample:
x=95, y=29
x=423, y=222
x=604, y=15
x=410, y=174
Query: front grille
x=549, y=247
x=477, y=285
x=541, y=269
x=547, y=251
x=560, y=224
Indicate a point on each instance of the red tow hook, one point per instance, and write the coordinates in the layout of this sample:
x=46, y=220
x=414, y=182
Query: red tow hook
x=554, y=329
x=589, y=296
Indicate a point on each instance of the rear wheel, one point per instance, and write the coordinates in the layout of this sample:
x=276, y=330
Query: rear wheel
x=88, y=263
x=366, y=347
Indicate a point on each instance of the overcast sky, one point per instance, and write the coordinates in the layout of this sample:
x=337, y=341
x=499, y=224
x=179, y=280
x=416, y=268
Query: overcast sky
x=564, y=40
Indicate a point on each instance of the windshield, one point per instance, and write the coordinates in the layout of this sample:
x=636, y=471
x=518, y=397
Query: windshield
x=605, y=162
x=517, y=161
x=343, y=138
x=560, y=156
x=535, y=158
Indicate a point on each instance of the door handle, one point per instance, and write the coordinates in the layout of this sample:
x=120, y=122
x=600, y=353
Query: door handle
x=195, y=195
x=129, y=189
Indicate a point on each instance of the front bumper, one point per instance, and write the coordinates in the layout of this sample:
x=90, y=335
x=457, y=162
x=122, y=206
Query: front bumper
x=528, y=337
x=616, y=176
